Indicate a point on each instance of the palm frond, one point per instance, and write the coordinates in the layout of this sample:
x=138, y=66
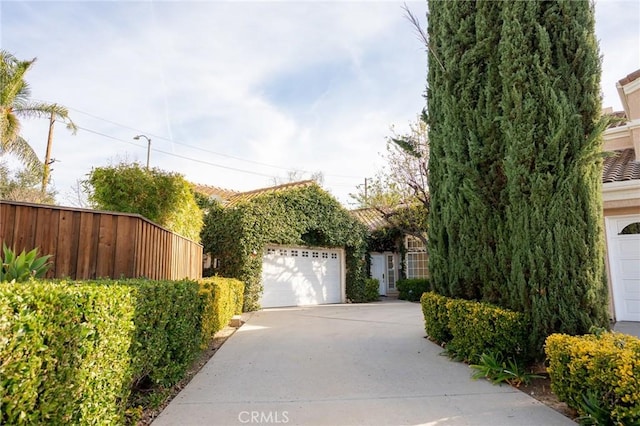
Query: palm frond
x=21, y=149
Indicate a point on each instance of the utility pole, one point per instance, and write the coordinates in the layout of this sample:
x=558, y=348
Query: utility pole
x=47, y=157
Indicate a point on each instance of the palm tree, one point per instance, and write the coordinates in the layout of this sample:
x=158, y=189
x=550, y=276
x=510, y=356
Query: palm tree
x=15, y=104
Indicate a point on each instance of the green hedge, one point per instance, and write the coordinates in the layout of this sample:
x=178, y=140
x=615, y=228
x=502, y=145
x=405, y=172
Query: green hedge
x=65, y=353
x=222, y=299
x=436, y=317
x=470, y=329
x=605, y=367
x=412, y=289
x=371, y=290
x=78, y=352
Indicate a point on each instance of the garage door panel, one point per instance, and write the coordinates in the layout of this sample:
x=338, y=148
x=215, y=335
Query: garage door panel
x=629, y=247
x=624, y=262
x=293, y=276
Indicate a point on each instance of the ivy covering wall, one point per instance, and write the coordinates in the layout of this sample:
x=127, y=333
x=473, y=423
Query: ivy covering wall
x=307, y=216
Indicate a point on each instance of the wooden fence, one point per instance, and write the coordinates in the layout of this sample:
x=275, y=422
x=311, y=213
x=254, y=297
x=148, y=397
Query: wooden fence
x=88, y=244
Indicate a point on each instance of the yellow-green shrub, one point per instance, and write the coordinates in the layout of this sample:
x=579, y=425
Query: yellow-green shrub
x=221, y=299
x=470, y=328
x=607, y=365
x=436, y=317
x=478, y=328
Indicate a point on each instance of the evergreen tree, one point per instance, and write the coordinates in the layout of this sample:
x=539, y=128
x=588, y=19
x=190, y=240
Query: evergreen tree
x=550, y=68
x=515, y=169
x=466, y=179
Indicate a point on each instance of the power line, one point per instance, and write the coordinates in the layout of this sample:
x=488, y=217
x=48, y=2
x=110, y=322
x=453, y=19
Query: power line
x=205, y=150
x=178, y=155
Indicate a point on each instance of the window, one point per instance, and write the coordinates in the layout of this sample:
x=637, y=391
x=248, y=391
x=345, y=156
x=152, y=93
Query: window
x=633, y=228
x=305, y=254
x=325, y=255
x=414, y=244
x=314, y=254
x=283, y=252
x=270, y=251
x=417, y=265
x=334, y=256
x=294, y=253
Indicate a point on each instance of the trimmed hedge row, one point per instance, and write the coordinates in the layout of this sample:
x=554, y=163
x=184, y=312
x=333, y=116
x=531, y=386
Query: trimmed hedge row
x=76, y=352
x=223, y=298
x=468, y=329
x=411, y=289
x=604, y=367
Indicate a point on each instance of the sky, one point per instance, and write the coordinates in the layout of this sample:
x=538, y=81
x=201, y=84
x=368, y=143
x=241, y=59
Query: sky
x=237, y=94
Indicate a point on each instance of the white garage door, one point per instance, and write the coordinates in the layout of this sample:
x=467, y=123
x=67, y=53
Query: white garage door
x=623, y=235
x=295, y=276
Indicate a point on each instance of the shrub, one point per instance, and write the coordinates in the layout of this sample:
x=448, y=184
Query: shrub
x=167, y=323
x=371, y=290
x=597, y=373
x=477, y=328
x=412, y=289
x=493, y=367
x=436, y=317
x=23, y=266
x=221, y=299
x=162, y=197
x=65, y=353
x=470, y=329
x=73, y=352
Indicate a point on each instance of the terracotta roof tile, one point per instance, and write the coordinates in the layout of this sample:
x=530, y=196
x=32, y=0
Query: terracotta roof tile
x=249, y=195
x=213, y=191
x=621, y=167
x=629, y=78
x=371, y=218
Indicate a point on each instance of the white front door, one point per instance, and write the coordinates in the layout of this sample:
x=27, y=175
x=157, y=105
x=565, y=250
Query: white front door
x=378, y=271
x=623, y=238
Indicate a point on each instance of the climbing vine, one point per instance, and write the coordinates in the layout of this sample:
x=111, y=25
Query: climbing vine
x=308, y=216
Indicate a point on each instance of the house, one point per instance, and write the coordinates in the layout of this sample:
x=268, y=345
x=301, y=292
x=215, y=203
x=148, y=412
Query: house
x=621, y=198
x=291, y=245
x=393, y=254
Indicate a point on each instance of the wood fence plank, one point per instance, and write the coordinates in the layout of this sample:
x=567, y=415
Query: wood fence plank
x=7, y=223
x=125, y=243
x=106, y=246
x=86, y=251
x=45, y=233
x=65, y=244
x=88, y=244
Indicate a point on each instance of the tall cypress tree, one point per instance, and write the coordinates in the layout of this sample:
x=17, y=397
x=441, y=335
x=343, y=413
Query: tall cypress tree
x=466, y=178
x=513, y=105
x=550, y=68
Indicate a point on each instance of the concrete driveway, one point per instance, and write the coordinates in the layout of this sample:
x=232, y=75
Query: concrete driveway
x=360, y=364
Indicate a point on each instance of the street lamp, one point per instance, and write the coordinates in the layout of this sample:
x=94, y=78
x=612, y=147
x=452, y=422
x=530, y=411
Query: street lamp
x=148, y=146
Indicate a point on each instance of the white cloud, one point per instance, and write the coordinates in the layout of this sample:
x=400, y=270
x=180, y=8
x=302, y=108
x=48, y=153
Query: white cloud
x=302, y=85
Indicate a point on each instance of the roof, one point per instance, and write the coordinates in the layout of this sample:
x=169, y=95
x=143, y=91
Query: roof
x=621, y=166
x=215, y=192
x=370, y=217
x=630, y=78
x=250, y=195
